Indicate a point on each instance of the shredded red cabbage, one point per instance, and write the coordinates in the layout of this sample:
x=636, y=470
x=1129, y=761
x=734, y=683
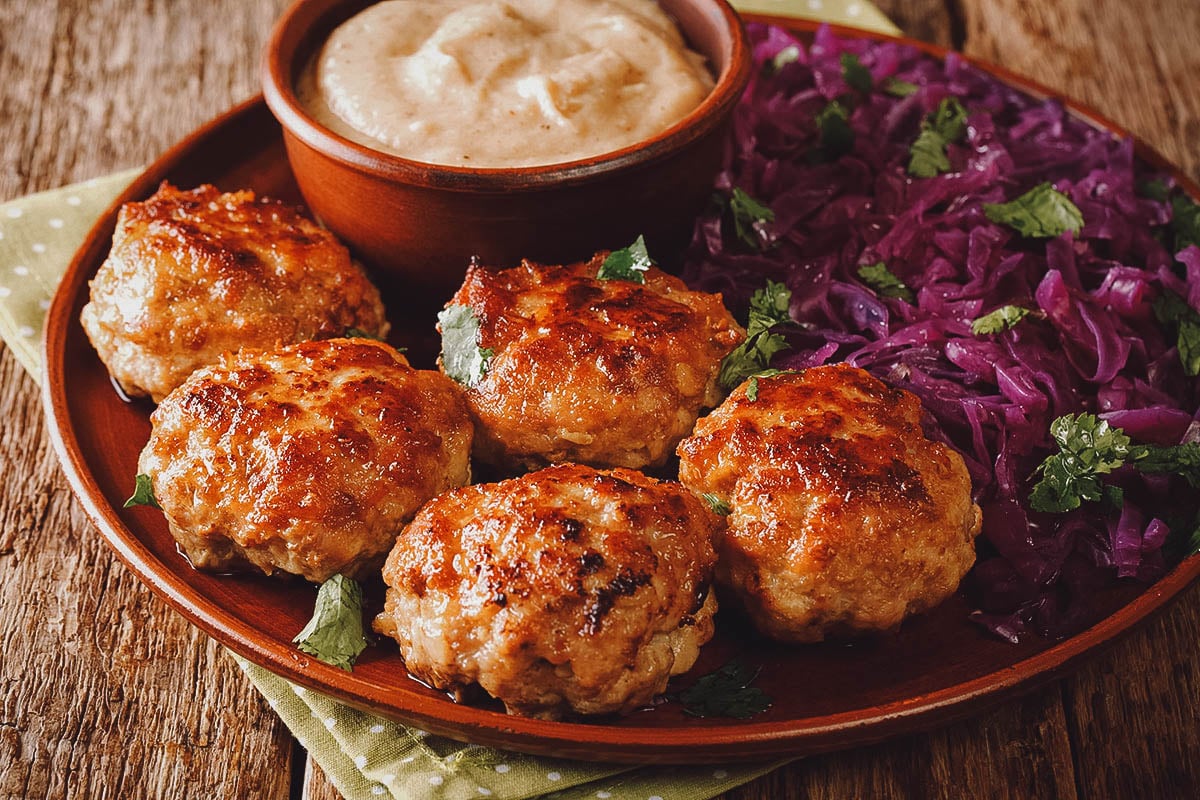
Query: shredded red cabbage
x=1093, y=343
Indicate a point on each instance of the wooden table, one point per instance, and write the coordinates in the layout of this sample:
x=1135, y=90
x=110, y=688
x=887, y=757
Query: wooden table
x=108, y=693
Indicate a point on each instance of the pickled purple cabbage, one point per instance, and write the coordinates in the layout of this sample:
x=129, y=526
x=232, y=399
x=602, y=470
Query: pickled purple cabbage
x=1093, y=343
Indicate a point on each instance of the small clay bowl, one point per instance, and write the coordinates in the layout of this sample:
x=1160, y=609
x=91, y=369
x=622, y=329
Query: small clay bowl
x=417, y=225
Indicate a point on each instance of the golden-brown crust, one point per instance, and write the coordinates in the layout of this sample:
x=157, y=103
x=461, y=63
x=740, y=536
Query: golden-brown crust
x=193, y=274
x=844, y=516
x=567, y=589
x=308, y=460
x=608, y=373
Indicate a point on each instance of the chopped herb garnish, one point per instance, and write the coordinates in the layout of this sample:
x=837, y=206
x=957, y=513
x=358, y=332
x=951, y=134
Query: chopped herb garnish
x=1156, y=189
x=1183, y=540
x=627, y=264
x=359, y=333
x=927, y=156
x=462, y=357
x=885, y=284
x=718, y=505
x=749, y=218
x=768, y=308
x=1041, y=213
x=752, y=383
x=143, y=493
x=1185, y=212
x=837, y=137
x=1090, y=448
x=336, y=634
x=726, y=693
x=898, y=88
x=1185, y=221
x=787, y=55
x=950, y=119
x=856, y=76
x=1000, y=320
x=1173, y=311
x=1114, y=496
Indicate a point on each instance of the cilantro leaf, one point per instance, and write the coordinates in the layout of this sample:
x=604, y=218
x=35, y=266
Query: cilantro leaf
x=336, y=634
x=768, y=308
x=898, y=88
x=718, y=505
x=750, y=357
x=752, y=384
x=787, y=55
x=1089, y=447
x=627, y=264
x=1002, y=319
x=1183, y=540
x=836, y=135
x=1177, y=459
x=1156, y=189
x=1185, y=221
x=359, y=333
x=1173, y=311
x=749, y=217
x=1041, y=213
x=950, y=119
x=885, y=284
x=726, y=693
x=856, y=76
x=462, y=357
x=927, y=156
x=143, y=493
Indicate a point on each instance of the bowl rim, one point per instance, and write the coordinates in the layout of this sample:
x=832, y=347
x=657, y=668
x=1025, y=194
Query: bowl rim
x=278, y=64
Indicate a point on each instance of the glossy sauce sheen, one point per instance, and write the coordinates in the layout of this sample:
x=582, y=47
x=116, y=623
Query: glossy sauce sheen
x=504, y=84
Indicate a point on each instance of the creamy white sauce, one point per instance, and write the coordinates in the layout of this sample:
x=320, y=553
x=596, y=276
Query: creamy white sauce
x=504, y=83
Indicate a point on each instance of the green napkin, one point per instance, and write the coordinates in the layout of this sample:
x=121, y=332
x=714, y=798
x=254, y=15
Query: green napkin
x=365, y=756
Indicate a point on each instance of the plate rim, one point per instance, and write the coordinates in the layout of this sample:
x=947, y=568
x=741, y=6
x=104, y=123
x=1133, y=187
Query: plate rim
x=591, y=742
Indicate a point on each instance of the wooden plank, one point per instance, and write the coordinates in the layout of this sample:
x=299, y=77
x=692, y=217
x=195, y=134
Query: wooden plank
x=1135, y=63
x=1133, y=714
x=106, y=692
x=933, y=21
x=1021, y=748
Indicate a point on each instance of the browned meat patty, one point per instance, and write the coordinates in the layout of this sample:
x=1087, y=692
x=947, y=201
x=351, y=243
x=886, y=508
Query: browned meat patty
x=308, y=460
x=194, y=274
x=601, y=372
x=845, y=518
x=565, y=590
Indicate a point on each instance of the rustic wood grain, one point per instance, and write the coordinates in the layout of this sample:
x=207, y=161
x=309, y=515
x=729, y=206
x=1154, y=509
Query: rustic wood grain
x=935, y=21
x=107, y=693
x=1136, y=63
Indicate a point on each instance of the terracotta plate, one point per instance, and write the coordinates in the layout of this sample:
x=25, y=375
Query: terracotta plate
x=939, y=667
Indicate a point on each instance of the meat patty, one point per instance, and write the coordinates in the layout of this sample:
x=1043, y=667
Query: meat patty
x=845, y=518
x=194, y=274
x=601, y=372
x=565, y=590
x=308, y=460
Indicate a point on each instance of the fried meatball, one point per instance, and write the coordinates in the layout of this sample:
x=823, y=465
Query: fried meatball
x=845, y=518
x=600, y=372
x=565, y=590
x=308, y=460
x=194, y=274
